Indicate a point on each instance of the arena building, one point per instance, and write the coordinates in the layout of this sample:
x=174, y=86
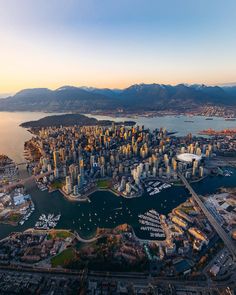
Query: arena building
x=188, y=158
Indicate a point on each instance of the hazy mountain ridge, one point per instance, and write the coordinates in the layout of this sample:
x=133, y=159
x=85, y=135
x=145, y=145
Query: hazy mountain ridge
x=136, y=97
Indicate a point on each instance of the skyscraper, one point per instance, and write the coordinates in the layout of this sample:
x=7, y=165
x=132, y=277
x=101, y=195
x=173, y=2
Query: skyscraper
x=56, y=159
x=68, y=186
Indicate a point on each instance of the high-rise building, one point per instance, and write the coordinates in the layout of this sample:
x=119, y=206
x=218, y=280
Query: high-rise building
x=68, y=186
x=122, y=184
x=80, y=181
x=56, y=173
x=168, y=171
x=121, y=168
x=198, y=151
x=49, y=167
x=102, y=171
x=56, y=159
x=128, y=188
x=174, y=164
x=75, y=190
x=201, y=171
x=154, y=171
x=182, y=150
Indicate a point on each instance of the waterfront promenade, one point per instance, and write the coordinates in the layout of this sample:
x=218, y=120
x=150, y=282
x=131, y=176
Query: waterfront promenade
x=220, y=231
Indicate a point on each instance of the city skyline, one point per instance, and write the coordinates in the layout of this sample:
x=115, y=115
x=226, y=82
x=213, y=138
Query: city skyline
x=108, y=44
x=118, y=147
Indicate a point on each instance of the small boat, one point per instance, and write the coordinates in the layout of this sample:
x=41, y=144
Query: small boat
x=120, y=208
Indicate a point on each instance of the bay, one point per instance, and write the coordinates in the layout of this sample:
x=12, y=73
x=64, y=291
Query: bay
x=105, y=209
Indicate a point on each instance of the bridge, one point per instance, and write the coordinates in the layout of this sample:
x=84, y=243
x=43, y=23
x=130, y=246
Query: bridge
x=13, y=164
x=220, y=231
x=22, y=163
x=23, y=181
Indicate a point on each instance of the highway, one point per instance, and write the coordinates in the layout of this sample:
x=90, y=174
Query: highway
x=23, y=181
x=220, y=231
x=124, y=277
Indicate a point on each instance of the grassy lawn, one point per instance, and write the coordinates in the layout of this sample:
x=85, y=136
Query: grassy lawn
x=59, y=234
x=103, y=183
x=15, y=217
x=63, y=258
x=57, y=184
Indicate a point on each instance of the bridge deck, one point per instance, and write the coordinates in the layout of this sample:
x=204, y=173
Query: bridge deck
x=220, y=231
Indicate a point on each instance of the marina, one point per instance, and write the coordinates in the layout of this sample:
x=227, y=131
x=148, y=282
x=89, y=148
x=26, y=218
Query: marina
x=155, y=187
x=47, y=221
x=228, y=172
x=41, y=186
x=27, y=214
x=107, y=210
x=151, y=222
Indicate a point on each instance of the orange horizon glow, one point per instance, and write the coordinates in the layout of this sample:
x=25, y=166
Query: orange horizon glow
x=106, y=44
x=12, y=90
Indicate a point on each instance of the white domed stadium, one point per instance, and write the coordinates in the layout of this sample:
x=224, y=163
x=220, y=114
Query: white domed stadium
x=188, y=158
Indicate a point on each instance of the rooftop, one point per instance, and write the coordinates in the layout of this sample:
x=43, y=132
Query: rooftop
x=187, y=157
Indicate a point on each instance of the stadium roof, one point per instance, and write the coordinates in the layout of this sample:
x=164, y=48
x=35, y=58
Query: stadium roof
x=187, y=157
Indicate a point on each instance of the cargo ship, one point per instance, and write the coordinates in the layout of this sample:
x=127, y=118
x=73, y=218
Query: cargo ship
x=230, y=119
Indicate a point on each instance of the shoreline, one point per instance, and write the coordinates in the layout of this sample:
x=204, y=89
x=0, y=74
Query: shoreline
x=154, y=114
x=146, y=114
x=12, y=223
x=85, y=197
x=19, y=230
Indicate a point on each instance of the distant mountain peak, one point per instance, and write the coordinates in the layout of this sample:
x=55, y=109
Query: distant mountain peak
x=66, y=87
x=136, y=97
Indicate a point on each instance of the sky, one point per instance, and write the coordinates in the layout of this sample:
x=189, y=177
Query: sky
x=116, y=43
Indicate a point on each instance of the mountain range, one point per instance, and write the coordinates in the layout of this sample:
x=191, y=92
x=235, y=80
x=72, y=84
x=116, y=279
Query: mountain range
x=138, y=97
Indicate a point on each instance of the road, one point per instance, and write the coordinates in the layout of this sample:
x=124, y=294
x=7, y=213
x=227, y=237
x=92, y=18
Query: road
x=23, y=181
x=220, y=231
x=130, y=277
x=13, y=164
